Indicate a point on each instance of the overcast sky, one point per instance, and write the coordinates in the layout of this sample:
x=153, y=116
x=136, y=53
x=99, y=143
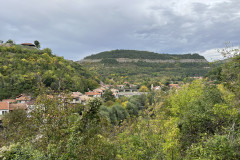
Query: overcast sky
x=77, y=28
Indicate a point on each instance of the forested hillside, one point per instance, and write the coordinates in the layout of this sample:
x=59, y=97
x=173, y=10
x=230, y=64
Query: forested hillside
x=22, y=70
x=139, y=71
x=134, y=54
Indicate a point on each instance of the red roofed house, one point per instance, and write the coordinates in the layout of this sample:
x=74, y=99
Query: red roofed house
x=9, y=100
x=28, y=44
x=4, y=108
x=93, y=94
x=23, y=98
x=17, y=106
x=76, y=97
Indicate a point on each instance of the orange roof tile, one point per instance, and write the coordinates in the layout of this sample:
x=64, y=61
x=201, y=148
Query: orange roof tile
x=92, y=93
x=4, y=105
x=9, y=100
x=17, y=106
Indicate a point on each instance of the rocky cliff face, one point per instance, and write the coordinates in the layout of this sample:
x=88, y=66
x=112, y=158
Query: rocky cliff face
x=128, y=60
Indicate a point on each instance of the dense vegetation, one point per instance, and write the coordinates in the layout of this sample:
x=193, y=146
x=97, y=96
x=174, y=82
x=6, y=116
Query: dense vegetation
x=22, y=69
x=134, y=54
x=199, y=121
x=141, y=72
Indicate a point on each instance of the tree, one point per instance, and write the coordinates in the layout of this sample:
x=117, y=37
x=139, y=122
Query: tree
x=108, y=95
x=10, y=41
x=143, y=89
x=37, y=43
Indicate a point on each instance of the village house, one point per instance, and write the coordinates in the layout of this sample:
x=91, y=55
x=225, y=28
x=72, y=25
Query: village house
x=76, y=97
x=23, y=98
x=14, y=106
x=28, y=44
x=156, y=88
x=9, y=100
x=84, y=99
x=99, y=90
x=4, y=108
x=93, y=94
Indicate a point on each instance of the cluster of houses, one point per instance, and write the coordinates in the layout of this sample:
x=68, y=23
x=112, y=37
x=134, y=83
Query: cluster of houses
x=21, y=102
x=27, y=103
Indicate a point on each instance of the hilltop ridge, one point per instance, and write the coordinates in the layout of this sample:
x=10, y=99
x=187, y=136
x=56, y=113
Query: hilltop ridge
x=135, y=54
x=131, y=56
x=137, y=66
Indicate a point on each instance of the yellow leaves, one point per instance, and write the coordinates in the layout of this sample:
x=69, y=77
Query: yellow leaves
x=60, y=62
x=29, y=76
x=227, y=95
x=24, y=60
x=223, y=110
x=171, y=142
x=143, y=89
x=31, y=59
x=45, y=55
x=124, y=104
x=187, y=94
x=70, y=68
x=5, y=68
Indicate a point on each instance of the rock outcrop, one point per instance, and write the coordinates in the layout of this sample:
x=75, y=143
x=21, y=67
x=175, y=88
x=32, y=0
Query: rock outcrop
x=128, y=60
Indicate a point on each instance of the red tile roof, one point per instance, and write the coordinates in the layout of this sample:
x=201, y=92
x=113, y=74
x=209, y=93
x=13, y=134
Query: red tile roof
x=17, y=106
x=4, y=105
x=92, y=93
x=9, y=100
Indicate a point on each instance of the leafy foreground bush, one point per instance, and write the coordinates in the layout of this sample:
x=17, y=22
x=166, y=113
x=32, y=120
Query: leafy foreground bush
x=57, y=130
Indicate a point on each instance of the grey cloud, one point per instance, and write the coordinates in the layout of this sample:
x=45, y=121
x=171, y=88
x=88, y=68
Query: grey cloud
x=77, y=28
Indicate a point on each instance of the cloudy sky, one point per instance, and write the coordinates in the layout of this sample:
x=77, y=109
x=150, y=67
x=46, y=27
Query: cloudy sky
x=77, y=28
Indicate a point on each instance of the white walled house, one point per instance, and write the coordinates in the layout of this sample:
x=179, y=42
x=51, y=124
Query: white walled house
x=4, y=108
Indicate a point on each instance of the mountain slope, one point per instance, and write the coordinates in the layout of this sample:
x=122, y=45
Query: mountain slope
x=135, y=66
x=22, y=70
x=134, y=54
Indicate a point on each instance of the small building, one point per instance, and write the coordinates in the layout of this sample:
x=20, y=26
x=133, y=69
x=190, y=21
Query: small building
x=99, y=90
x=157, y=88
x=17, y=106
x=93, y=94
x=28, y=44
x=4, y=108
x=84, y=99
x=76, y=97
x=23, y=98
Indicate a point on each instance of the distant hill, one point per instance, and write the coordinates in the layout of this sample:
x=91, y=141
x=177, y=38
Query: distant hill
x=22, y=69
x=134, y=54
x=133, y=65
